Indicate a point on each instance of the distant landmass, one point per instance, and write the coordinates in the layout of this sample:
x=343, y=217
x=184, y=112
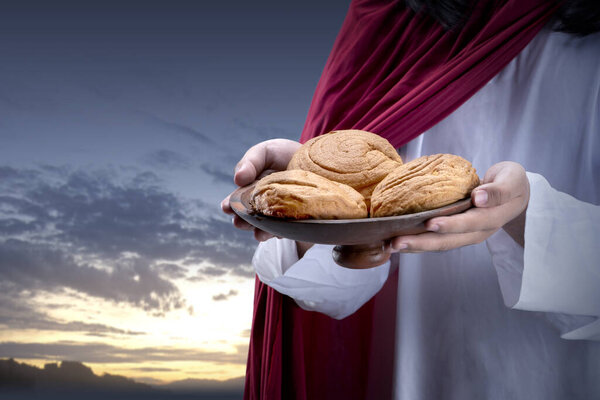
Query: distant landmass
x=205, y=384
x=74, y=380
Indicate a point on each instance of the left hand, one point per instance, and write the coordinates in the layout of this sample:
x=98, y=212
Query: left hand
x=500, y=202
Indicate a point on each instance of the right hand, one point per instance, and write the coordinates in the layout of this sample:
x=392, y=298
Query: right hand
x=260, y=160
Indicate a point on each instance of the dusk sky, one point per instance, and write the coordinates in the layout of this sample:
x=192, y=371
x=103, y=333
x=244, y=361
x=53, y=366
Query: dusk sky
x=120, y=125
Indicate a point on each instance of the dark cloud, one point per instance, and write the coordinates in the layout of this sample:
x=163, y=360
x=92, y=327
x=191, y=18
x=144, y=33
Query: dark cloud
x=45, y=324
x=230, y=248
x=264, y=132
x=40, y=267
x=100, y=234
x=18, y=178
x=225, y=296
x=167, y=159
x=145, y=179
x=212, y=271
x=244, y=271
x=171, y=271
x=94, y=214
x=179, y=128
x=104, y=353
x=218, y=174
x=14, y=226
x=209, y=272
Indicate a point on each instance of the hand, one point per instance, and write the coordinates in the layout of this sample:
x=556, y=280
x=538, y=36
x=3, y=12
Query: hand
x=500, y=202
x=260, y=160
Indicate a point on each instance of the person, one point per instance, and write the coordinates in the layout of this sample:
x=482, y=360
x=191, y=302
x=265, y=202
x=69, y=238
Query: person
x=501, y=301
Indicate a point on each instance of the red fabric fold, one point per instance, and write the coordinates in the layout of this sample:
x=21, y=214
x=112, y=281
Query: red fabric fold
x=396, y=74
x=264, y=354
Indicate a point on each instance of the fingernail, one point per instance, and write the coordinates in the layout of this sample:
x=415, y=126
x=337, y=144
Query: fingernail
x=481, y=197
x=400, y=246
x=433, y=228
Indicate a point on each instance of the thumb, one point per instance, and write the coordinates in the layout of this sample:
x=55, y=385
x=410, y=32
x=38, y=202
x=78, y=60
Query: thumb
x=251, y=164
x=490, y=195
x=245, y=173
x=503, y=182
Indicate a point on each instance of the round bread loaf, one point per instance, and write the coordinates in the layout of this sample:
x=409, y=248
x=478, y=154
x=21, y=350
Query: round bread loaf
x=300, y=194
x=425, y=183
x=355, y=158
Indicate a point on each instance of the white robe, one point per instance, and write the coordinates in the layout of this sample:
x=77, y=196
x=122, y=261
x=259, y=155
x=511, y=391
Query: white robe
x=494, y=320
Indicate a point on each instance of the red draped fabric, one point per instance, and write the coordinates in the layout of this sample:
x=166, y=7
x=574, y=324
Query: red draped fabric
x=396, y=74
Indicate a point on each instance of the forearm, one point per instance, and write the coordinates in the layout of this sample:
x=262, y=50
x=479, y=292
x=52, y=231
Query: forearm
x=557, y=269
x=314, y=281
x=516, y=228
x=302, y=248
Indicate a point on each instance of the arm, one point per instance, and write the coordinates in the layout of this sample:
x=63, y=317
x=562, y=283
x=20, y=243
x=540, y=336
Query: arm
x=314, y=281
x=546, y=253
x=558, y=270
x=307, y=274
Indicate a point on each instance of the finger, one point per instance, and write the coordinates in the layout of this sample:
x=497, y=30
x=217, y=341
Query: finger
x=272, y=154
x=261, y=236
x=246, y=170
x=503, y=182
x=225, y=206
x=438, y=242
x=492, y=194
x=475, y=219
x=252, y=163
x=241, y=224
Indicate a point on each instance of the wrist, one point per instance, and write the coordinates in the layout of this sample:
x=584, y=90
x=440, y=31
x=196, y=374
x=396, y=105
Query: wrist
x=302, y=247
x=516, y=228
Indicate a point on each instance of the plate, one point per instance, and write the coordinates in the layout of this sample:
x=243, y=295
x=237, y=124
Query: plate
x=339, y=231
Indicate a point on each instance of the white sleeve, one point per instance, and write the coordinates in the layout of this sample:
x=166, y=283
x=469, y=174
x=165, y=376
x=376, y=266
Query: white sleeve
x=558, y=270
x=315, y=281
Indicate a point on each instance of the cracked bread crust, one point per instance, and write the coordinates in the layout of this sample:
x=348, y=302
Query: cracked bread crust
x=423, y=184
x=297, y=194
x=353, y=157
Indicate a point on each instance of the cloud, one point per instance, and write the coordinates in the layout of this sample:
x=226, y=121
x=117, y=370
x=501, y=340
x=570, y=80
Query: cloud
x=179, y=128
x=244, y=271
x=45, y=324
x=40, y=267
x=218, y=175
x=246, y=333
x=212, y=271
x=265, y=132
x=167, y=159
x=17, y=177
x=94, y=214
x=171, y=271
x=154, y=369
x=18, y=315
x=105, y=353
x=107, y=236
x=225, y=296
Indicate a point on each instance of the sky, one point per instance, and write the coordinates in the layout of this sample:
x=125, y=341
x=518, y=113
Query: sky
x=120, y=125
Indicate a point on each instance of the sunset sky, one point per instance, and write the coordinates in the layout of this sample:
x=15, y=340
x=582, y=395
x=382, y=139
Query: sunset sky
x=120, y=125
